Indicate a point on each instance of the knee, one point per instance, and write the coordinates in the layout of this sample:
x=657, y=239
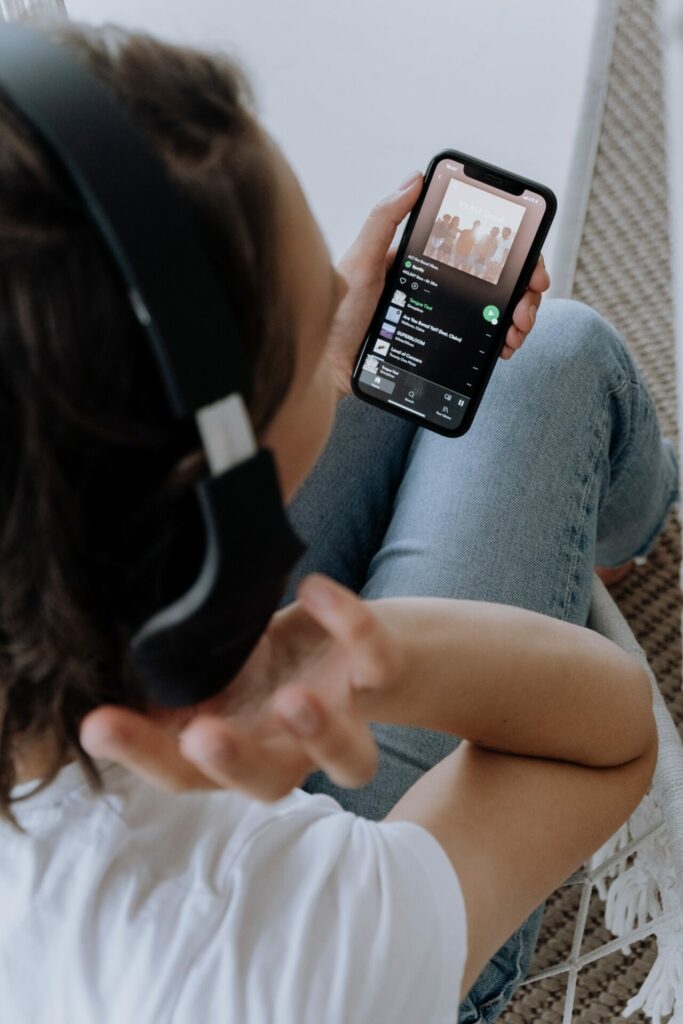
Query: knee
x=571, y=340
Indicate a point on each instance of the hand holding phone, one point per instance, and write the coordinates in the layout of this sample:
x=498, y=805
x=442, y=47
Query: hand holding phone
x=469, y=249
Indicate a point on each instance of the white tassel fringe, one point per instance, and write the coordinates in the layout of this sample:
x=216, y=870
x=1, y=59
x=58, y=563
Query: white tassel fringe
x=639, y=887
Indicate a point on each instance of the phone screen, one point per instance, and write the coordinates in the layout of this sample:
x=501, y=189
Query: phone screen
x=438, y=327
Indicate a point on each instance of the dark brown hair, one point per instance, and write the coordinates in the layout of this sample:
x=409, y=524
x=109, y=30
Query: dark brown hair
x=97, y=523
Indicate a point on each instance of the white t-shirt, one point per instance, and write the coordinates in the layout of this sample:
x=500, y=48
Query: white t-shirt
x=140, y=907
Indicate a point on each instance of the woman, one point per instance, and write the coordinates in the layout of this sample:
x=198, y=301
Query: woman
x=445, y=253
x=145, y=905
x=464, y=247
x=438, y=235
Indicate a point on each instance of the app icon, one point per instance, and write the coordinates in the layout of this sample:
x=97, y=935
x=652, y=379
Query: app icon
x=491, y=313
x=407, y=263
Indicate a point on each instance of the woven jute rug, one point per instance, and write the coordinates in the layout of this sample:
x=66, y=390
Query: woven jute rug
x=630, y=284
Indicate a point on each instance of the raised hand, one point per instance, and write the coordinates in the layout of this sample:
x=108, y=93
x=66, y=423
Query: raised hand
x=294, y=707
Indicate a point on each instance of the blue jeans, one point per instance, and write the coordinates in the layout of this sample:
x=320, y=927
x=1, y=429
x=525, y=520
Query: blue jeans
x=564, y=468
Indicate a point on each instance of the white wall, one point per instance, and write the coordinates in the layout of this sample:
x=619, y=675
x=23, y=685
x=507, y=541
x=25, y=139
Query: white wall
x=361, y=92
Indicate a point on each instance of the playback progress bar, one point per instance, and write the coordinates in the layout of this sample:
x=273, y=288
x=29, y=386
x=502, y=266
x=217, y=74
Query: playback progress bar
x=408, y=408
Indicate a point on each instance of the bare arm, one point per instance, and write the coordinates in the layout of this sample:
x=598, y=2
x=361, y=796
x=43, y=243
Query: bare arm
x=514, y=825
x=560, y=742
x=511, y=680
x=515, y=828
x=503, y=678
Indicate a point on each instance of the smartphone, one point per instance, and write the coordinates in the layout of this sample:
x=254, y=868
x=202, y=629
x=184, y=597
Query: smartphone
x=465, y=258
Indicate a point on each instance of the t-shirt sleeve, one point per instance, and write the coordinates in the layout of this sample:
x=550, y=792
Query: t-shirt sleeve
x=432, y=949
x=330, y=917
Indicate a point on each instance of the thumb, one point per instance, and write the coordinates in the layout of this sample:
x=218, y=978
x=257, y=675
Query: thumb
x=368, y=253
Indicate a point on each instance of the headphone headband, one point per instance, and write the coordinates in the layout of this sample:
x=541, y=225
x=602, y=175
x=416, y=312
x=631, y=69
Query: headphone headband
x=140, y=215
x=189, y=650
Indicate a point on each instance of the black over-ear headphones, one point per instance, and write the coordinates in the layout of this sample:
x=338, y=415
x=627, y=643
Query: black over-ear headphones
x=189, y=650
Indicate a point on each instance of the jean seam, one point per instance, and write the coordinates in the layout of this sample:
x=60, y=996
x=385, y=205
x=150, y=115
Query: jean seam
x=504, y=993
x=569, y=590
x=647, y=546
x=644, y=395
x=616, y=464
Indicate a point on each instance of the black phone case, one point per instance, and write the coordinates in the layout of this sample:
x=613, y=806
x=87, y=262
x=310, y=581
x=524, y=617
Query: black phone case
x=525, y=275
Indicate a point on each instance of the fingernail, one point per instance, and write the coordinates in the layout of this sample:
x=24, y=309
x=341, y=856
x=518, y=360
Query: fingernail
x=532, y=314
x=409, y=181
x=302, y=716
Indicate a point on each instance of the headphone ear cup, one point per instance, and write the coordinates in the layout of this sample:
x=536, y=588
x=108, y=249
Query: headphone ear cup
x=190, y=650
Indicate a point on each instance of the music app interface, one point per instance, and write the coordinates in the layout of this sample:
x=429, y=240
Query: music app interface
x=429, y=346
